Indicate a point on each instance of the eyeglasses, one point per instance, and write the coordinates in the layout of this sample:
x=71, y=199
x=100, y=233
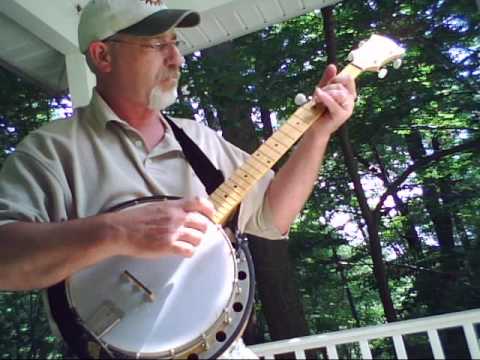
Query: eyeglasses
x=160, y=47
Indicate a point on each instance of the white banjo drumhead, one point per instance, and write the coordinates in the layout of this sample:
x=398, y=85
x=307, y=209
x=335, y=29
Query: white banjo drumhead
x=188, y=296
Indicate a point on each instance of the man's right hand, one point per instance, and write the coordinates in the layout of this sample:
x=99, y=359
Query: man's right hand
x=169, y=227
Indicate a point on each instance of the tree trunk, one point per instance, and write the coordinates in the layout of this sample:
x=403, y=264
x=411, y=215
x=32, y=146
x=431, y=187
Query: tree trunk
x=352, y=166
x=440, y=216
x=276, y=284
x=348, y=292
x=411, y=235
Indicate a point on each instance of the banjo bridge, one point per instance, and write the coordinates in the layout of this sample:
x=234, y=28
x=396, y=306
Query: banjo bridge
x=137, y=283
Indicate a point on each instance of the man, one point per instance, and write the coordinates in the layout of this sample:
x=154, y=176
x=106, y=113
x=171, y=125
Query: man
x=120, y=147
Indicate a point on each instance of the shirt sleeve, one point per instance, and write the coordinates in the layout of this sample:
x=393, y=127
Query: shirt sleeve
x=30, y=191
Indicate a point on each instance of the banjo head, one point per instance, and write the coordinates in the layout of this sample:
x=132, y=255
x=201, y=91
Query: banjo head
x=164, y=308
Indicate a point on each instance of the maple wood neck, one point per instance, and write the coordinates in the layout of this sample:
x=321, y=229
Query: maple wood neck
x=230, y=194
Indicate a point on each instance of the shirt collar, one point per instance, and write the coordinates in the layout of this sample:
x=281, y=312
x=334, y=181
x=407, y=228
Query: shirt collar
x=105, y=115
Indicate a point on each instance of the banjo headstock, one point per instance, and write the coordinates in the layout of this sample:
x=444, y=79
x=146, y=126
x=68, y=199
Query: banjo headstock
x=376, y=52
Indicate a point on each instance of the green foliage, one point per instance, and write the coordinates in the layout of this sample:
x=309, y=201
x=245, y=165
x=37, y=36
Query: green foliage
x=23, y=107
x=24, y=330
x=422, y=120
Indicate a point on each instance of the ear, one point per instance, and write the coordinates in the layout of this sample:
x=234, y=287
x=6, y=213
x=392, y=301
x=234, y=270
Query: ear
x=100, y=56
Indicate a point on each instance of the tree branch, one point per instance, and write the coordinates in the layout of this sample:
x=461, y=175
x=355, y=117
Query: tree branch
x=473, y=145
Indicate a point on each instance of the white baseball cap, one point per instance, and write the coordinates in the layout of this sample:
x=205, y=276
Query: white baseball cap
x=101, y=19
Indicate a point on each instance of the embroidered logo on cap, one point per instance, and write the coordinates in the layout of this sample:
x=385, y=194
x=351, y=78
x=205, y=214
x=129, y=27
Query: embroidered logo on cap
x=153, y=2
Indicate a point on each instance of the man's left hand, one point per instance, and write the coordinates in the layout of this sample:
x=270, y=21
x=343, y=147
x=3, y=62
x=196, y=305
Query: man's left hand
x=337, y=94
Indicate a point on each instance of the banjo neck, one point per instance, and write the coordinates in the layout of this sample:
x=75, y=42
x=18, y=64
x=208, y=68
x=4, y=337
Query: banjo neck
x=372, y=55
x=228, y=196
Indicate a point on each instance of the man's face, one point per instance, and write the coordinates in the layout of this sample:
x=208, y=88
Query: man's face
x=147, y=69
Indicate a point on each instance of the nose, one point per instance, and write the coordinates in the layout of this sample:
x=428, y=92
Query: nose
x=174, y=57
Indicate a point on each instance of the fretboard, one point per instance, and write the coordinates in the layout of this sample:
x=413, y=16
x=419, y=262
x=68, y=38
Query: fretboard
x=230, y=194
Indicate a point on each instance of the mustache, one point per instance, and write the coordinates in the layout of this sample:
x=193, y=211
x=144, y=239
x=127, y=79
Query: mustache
x=173, y=74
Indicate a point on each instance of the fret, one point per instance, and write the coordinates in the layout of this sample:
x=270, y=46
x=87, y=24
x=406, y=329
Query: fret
x=234, y=184
x=273, y=150
x=270, y=155
x=240, y=180
x=277, y=146
x=231, y=189
x=286, y=133
x=229, y=196
x=284, y=139
x=308, y=118
x=246, y=177
x=299, y=115
x=291, y=129
x=253, y=170
x=222, y=210
x=217, y=201
x=220, y=198
x=221, y=218
x=257, y=158
x=225, y=208
x=297, y=123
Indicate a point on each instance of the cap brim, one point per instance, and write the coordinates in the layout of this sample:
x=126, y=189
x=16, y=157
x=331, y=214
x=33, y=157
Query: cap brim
x=163, y=21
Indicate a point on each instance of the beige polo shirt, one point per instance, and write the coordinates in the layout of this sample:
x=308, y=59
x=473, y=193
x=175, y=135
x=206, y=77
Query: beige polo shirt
x=86, y=164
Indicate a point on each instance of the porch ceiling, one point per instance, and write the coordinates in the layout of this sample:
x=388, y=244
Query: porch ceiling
x=35, y=35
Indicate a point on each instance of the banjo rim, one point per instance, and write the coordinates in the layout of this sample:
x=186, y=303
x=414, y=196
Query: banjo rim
x=70, y=324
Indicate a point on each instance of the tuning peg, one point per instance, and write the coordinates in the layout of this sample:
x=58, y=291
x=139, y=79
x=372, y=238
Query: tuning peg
x=300, y=99
x=350, y=56
x=382, y=73
x=397, y=63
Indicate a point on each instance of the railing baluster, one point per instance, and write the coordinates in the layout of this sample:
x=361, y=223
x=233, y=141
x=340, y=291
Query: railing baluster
x=332, y=352
x=399, y=347
x=269, y=356
x=397, y=331
x=472, y=341
x=365, y=349
x=436, y=344
x=300, y=354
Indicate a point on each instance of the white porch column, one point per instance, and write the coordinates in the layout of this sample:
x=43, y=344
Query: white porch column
x=80, y=79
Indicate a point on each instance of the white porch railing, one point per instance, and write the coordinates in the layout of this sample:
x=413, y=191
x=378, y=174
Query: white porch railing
x=361, y=336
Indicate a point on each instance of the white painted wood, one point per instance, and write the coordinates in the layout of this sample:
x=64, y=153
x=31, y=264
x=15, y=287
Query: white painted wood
x=399, y=345
x=53, y=21
x=435, y=344
x=80, y=78
x=332, y=352
x=365, y=349
x=242, y=17
x=53, y=28
x=472, y=341
x=199, y=6
x=429, y=324
x=300, y=354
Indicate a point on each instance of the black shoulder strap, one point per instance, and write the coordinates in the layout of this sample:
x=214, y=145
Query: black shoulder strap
x=208, y=174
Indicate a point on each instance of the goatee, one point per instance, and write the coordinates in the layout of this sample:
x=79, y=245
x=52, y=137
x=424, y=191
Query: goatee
x=161, y=99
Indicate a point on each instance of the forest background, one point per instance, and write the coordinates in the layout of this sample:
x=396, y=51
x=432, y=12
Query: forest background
x=391, y=231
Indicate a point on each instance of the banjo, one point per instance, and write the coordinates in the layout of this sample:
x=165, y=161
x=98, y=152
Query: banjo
x=175, y=307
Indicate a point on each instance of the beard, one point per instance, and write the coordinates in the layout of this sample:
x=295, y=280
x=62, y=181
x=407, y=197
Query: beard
x=161, y=99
